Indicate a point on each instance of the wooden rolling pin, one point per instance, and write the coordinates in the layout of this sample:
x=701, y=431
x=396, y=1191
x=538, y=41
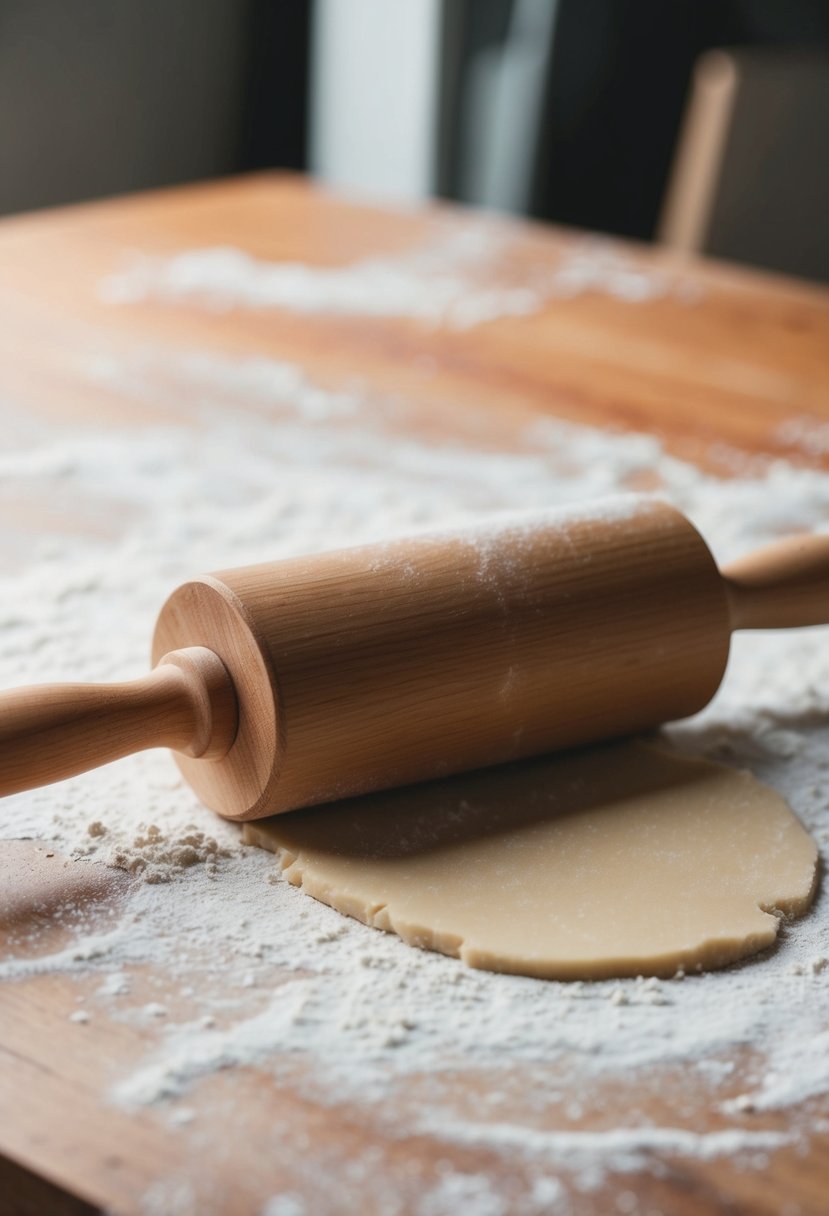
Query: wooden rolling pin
x=306, y=680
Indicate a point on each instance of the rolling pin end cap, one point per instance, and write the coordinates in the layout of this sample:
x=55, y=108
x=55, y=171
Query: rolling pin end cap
x=237, y=769
x=212, y=700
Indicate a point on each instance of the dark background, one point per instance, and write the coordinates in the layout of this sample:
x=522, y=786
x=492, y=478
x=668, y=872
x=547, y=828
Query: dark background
x=99, y=97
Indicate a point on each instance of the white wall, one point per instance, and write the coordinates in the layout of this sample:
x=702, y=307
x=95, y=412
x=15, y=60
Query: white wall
x=374, y=86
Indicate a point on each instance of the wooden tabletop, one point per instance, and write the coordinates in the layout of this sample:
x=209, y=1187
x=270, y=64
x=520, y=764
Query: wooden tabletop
x=726, y=366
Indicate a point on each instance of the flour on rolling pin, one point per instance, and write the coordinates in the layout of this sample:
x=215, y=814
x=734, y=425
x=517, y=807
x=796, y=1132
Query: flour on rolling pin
x=292, y=496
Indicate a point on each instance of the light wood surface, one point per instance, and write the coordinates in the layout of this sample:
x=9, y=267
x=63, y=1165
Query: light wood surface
x=720, y=382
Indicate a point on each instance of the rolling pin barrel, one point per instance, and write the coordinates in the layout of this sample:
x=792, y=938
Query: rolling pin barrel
x=392, y=663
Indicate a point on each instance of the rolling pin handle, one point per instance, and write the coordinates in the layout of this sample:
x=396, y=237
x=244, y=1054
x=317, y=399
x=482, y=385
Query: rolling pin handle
x=781, y=586
x=52, y=731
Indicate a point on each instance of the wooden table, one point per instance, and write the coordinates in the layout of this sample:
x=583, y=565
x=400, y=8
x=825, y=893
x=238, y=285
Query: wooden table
x=718, y=381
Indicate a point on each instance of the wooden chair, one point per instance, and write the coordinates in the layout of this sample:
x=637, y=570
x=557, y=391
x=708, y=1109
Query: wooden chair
x=750, y=180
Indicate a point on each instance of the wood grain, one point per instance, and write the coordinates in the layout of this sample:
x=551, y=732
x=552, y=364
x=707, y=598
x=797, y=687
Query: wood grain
x=733, y=379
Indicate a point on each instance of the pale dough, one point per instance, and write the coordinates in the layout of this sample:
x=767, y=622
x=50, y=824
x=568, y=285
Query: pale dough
x=614, y=861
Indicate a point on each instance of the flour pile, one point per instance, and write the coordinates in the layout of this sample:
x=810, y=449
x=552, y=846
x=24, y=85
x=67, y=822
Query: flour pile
x=256, y=470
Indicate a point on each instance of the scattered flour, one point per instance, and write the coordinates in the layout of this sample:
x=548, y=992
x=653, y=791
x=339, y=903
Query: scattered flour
x=116, y=984
x=257, y=468
x=463, y=1193
x=628, y=1148
x=285, y=1205
x=460, y=279
x=805, y=434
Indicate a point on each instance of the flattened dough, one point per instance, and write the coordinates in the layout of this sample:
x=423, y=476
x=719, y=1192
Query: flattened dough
x=614, y=861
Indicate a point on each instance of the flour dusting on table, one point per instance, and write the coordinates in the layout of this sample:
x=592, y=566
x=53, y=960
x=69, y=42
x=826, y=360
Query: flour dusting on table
x=258, y=469
x=461, y=279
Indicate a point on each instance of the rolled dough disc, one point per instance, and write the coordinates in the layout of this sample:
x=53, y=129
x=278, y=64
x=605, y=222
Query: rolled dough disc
x=613, y=861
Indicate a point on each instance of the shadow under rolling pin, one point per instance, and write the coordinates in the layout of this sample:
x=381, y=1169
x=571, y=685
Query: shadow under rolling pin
x=302, y=681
